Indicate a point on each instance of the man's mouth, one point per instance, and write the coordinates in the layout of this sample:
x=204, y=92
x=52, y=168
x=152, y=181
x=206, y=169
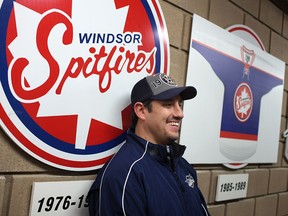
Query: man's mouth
x=177, y=124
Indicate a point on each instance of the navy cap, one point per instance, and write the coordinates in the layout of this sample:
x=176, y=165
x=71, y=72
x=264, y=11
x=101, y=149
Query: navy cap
x=160, y=87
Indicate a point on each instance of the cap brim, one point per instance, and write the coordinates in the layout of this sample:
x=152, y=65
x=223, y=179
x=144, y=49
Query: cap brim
x=186, y=93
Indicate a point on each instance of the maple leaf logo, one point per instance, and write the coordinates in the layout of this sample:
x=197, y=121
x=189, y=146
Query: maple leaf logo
x=243, y=102
x=79, y=96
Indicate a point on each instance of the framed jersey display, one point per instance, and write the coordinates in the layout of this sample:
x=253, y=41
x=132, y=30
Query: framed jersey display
x=236, y=114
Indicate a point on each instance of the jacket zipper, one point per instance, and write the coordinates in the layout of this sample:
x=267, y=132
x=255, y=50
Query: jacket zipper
x=172, y=166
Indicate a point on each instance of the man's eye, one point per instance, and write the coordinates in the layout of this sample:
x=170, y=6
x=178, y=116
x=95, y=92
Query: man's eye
x=167, y=104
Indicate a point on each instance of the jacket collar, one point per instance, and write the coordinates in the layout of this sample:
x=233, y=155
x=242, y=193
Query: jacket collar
x=160, y=152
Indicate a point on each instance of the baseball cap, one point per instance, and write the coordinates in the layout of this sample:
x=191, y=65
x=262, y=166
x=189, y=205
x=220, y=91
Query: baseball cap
x=160, y=87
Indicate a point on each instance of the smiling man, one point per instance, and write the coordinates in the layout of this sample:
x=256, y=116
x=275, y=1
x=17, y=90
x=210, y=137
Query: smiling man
x=148, y=175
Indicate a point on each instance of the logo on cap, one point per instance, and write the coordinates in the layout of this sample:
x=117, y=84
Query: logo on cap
x=162, y=78
x=168, y=80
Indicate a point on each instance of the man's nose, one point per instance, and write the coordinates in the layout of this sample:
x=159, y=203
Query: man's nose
x=178, y=112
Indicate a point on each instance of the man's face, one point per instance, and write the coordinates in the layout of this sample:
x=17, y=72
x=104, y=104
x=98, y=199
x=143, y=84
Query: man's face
x=163, y=122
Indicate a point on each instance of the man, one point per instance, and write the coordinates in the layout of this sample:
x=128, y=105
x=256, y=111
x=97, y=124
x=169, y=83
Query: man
x=148, y=175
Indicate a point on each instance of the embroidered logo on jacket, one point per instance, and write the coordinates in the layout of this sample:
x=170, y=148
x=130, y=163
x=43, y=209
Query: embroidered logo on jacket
x=190, y=180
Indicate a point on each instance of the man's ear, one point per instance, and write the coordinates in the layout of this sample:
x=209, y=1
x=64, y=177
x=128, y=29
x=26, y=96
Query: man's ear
x=139, y=110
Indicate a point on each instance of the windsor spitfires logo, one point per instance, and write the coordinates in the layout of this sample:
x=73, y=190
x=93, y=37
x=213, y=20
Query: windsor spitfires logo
x=243, y=102
x=66, y=72
x=190, y=180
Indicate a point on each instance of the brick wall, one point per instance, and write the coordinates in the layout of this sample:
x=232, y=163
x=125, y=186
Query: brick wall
x=268, y=183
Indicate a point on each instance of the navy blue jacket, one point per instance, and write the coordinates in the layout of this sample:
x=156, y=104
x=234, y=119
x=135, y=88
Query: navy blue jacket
x=147, y=179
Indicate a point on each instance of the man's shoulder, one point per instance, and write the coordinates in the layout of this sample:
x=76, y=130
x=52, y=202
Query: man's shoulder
x=125, y=157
